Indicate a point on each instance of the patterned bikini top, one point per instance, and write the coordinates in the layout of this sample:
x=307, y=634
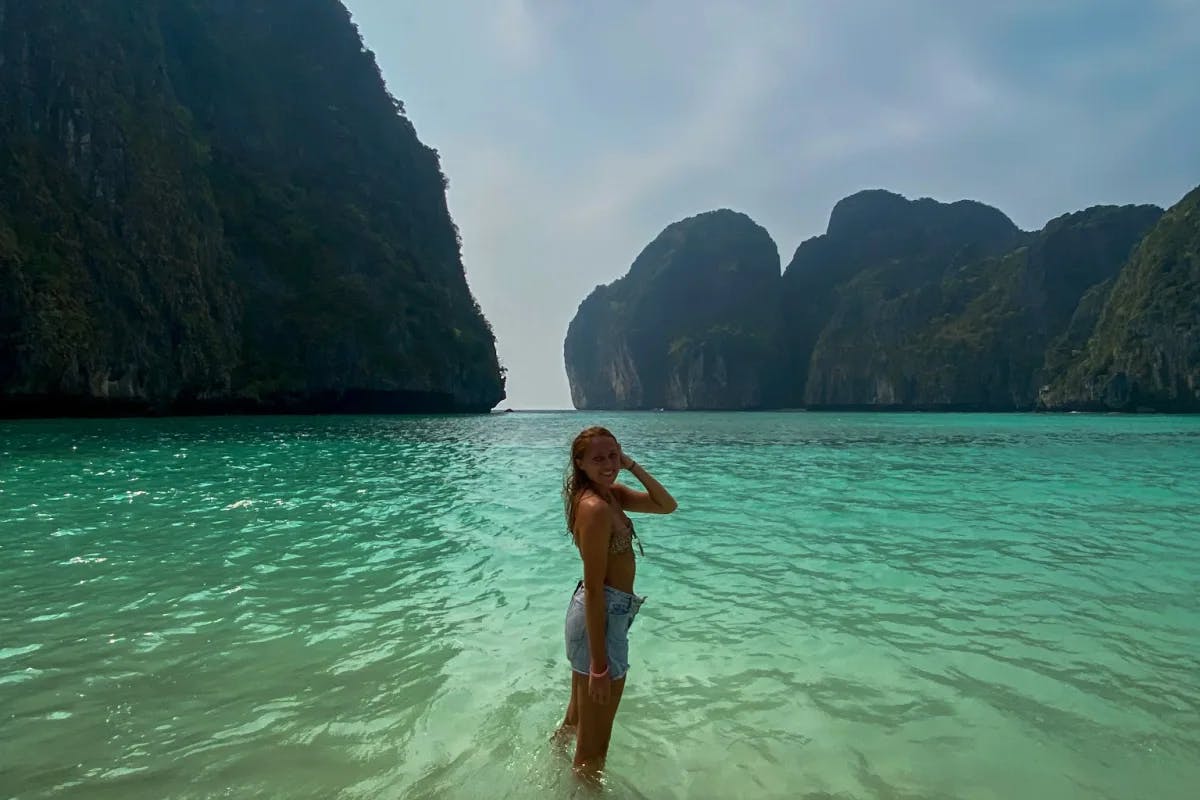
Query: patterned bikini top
x=622, y=539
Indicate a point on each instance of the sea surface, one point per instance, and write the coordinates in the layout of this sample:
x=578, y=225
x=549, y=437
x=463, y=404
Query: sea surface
x=993, y=607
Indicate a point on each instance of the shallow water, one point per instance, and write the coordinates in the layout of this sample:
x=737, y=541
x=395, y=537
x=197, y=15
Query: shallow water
x=845, y=606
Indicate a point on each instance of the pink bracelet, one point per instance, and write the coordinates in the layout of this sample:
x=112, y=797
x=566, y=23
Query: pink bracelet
x=599, y=674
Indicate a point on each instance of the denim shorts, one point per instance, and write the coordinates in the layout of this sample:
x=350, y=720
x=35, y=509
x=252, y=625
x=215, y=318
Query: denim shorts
x=622, y=607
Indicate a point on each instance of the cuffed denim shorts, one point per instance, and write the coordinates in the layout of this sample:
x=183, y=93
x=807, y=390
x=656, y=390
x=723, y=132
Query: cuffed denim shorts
x=622, y=607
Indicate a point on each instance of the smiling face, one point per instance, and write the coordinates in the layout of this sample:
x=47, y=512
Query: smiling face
x=601, y=460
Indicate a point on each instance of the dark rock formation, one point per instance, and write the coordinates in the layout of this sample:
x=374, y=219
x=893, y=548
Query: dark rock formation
x=968, y=333
x=213, y=205
x=904, y=305
x=691, y=325
x=841, y=293
x=1144, y=353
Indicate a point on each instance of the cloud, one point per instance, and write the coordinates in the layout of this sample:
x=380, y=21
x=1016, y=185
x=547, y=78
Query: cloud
x=517, y=33
x=573, y=133
x=531, y=224
x=716, y=125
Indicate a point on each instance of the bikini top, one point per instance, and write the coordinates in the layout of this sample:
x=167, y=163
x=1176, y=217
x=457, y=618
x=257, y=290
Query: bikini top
x=622, y=538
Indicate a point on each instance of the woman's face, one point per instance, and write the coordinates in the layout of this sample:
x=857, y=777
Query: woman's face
x=601, y=461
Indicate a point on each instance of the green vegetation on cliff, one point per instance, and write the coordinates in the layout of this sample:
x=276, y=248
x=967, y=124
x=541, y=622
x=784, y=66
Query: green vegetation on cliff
x=914, y=304
x=974, y=332
x=690, y=326
x=877, y=246
x=216, y=204
x=1145, y=350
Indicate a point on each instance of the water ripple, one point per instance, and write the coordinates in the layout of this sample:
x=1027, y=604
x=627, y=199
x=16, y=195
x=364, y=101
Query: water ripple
x=875, y=606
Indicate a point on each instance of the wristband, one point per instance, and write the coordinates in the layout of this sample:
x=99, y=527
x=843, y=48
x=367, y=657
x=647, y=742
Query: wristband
x=598, y=674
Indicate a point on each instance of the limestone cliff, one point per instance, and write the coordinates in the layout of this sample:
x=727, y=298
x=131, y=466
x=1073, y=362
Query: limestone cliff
x=214, y=205
x=970, y=333
x=1144, y=353
x=877, y=246
x=689, y=327
x=903, y=305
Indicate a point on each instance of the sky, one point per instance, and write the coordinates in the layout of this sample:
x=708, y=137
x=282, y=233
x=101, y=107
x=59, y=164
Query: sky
x=572, y=133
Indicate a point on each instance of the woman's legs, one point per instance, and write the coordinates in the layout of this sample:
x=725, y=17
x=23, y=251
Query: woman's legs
x=571, y=719
x=595, y=724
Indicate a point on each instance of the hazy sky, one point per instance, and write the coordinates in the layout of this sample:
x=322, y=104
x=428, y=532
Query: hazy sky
x=573, y=132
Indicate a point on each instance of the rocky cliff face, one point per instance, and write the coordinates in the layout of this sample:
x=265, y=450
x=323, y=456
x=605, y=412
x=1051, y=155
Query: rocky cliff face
x=1144, y=352
x=877, y=246
x=690, y=326
x=212, y=205
x=115, y=272
x=970, y=333
x=906, y=305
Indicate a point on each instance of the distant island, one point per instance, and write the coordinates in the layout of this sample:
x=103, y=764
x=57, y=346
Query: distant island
x=903, y=305
x=215, y=206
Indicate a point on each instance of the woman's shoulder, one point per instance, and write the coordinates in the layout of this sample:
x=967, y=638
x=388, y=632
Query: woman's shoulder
x=590, y=502
x=593, y=520
x=590, y=509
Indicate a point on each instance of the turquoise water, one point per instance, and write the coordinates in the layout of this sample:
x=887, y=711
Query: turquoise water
x=845, y=606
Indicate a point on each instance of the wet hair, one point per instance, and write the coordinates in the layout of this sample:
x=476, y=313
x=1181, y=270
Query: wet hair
x=575, y=480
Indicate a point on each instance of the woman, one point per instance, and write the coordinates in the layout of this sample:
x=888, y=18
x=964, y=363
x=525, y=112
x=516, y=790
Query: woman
x=604, y=605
